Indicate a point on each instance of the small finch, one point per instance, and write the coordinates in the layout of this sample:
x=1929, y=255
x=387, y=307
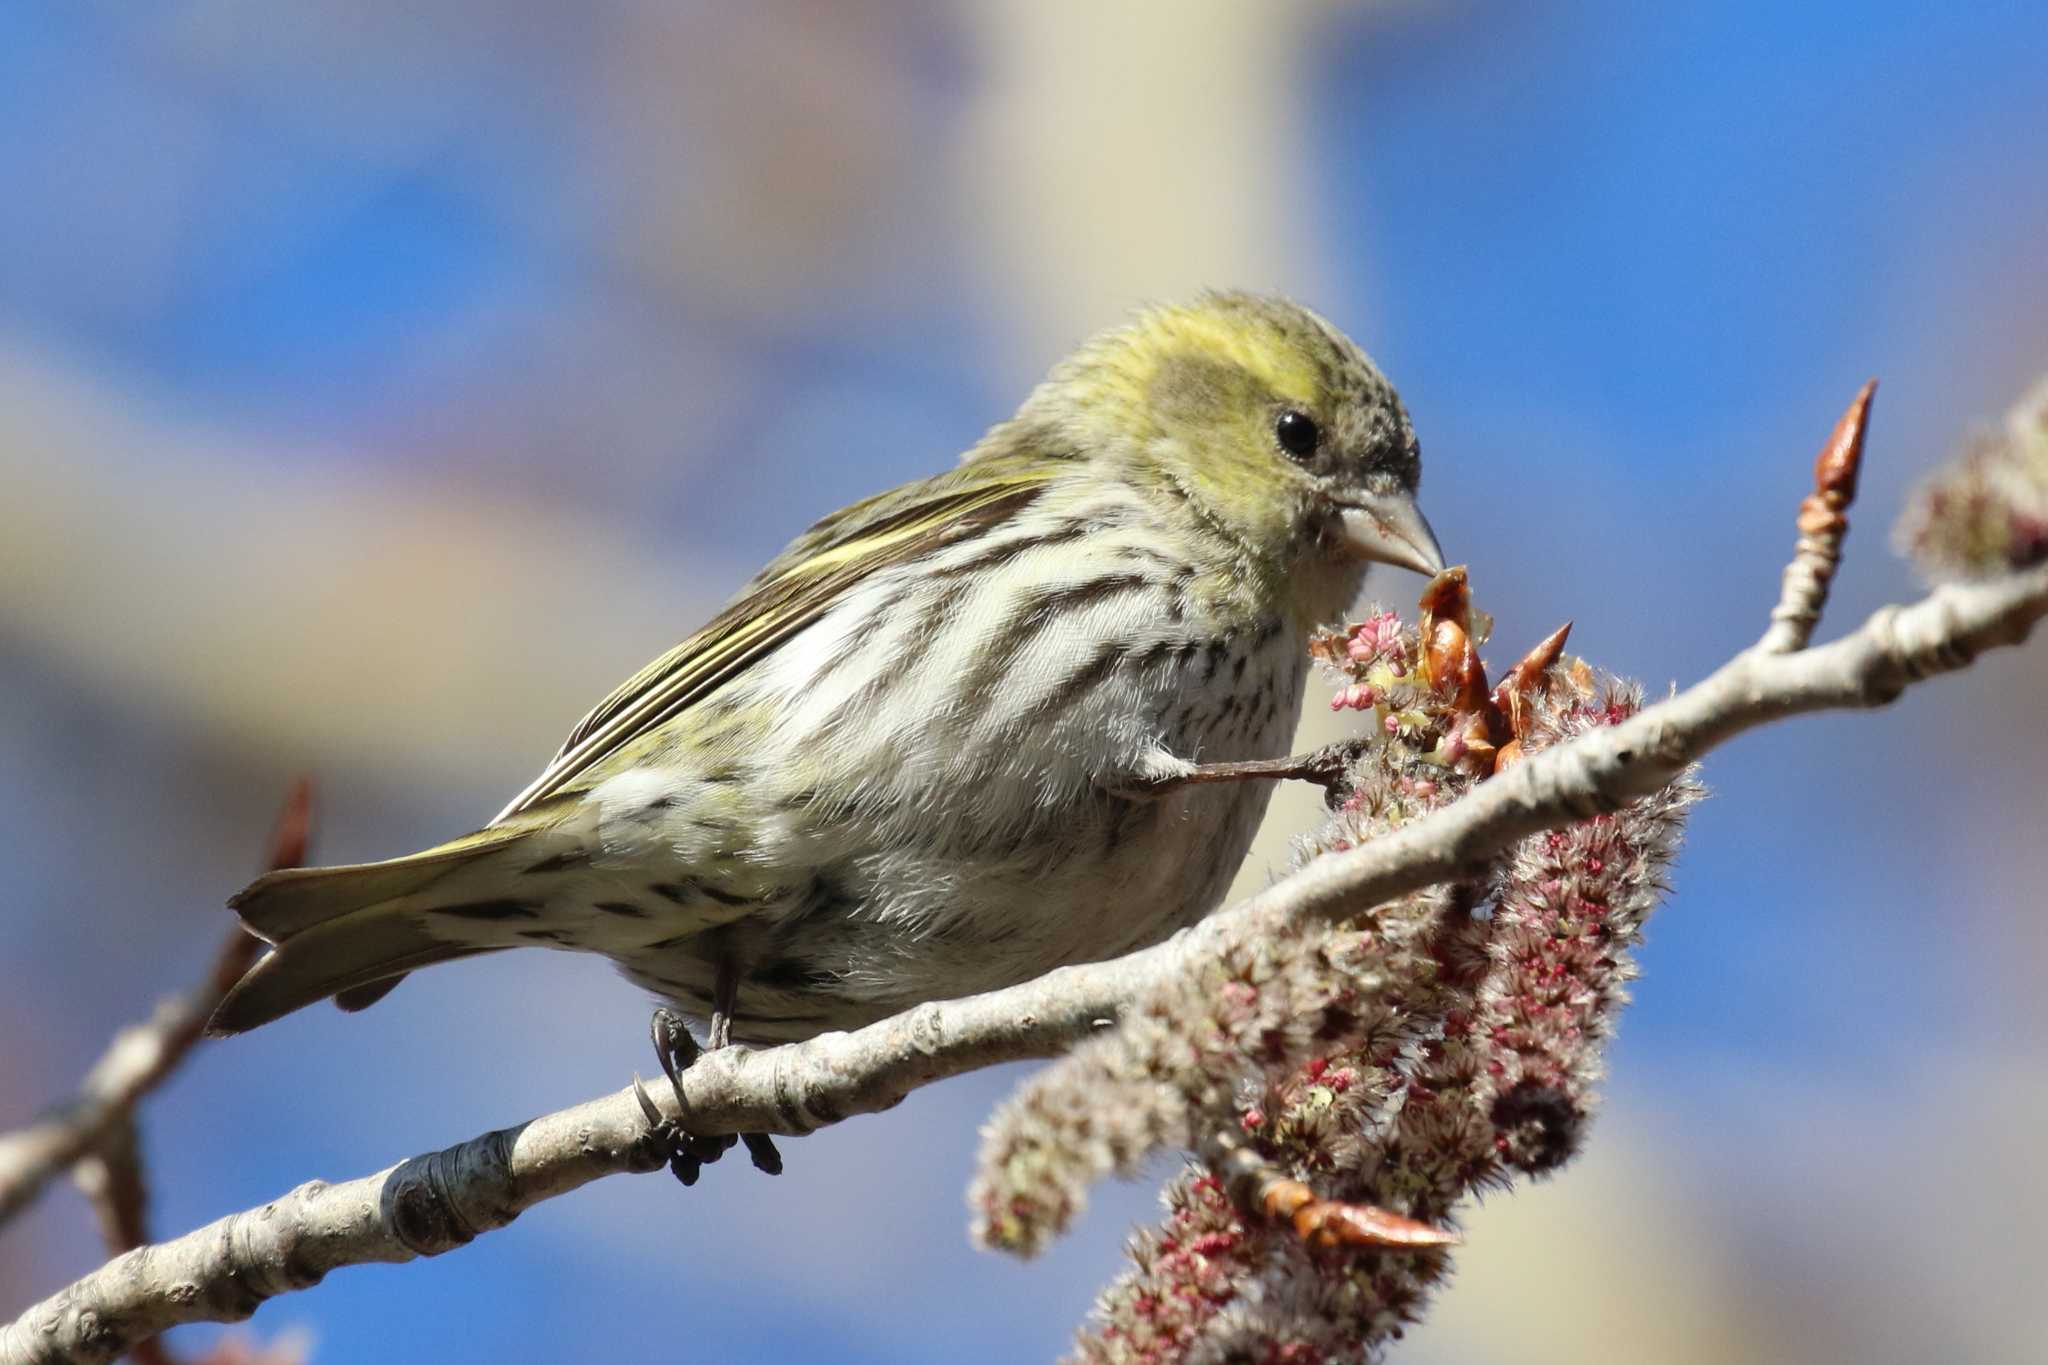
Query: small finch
x=940, y=745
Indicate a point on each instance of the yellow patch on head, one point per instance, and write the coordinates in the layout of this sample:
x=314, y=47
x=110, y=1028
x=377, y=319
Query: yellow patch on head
x=1119, y=370
x=1231, y=337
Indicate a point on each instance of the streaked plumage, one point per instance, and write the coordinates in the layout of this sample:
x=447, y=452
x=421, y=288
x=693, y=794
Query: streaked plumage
x=903, y=763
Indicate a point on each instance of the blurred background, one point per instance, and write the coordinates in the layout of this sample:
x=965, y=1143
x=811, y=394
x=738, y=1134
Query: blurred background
x=380, y=382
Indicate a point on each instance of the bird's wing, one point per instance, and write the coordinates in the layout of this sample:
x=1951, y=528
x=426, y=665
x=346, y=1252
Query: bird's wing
x=793, y=591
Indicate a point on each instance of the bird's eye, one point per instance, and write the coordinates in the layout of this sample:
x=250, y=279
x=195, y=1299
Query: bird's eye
x=1297, y=434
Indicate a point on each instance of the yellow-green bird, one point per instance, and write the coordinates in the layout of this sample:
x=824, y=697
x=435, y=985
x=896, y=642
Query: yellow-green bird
x=934, y=747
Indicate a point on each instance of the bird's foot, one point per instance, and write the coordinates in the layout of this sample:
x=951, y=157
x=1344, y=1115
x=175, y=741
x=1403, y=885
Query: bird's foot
x=688, y=1153
x=1325, y=767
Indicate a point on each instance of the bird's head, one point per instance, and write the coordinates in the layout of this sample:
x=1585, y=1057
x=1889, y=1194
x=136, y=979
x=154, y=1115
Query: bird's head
x=1264, y=424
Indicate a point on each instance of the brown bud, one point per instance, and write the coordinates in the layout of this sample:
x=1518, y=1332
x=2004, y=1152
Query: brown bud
x=1326, y=1225
x=1524, y=682
x=1281, y=1198
x=1840, y=460
x=1443, y=644
x=1508, y=755
x=1448, y=596
x=1445, y=625
x=1479, y=741
x=1454, y=667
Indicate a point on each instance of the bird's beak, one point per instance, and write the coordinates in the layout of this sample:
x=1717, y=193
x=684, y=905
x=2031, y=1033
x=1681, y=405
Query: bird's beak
x=1390, y=529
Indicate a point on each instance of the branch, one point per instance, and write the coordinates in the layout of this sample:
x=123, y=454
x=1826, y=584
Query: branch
x=441, y=1200
x=142, y=1055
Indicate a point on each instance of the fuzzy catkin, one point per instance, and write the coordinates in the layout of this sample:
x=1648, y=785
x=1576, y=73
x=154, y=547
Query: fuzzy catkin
x=1508, y=992
x=1986, y=511
x=1180, y=1060
x=1183, y=1272
x=1506, y=1090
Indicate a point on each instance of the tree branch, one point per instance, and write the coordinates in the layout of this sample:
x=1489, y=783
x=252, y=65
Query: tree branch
x=434, y=1202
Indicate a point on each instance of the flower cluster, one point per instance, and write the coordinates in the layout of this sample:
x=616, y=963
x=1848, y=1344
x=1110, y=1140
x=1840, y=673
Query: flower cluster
x=1184, y=1272
x=1178, y=1063
x=1986, y=511
x=1385, y=1066
x=1373, y=652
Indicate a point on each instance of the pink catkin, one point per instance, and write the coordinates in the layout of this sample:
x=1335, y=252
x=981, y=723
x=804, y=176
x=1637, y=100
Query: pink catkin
x=1182, y=1273
x=1476, y=1061
x=1176, y=1060
x=1986, y=511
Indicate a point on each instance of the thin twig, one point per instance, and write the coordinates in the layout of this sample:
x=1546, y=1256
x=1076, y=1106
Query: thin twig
x=1823, y=523
x=142, y=1055
x=110, y=1175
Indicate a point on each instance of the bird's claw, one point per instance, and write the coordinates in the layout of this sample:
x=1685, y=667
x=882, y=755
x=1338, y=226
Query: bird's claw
x=1330, y=767
x=678, y=1146
x=761, y=1148
x=689, y=1153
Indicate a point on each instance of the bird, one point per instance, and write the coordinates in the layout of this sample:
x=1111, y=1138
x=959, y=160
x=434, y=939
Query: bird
x=953, y=736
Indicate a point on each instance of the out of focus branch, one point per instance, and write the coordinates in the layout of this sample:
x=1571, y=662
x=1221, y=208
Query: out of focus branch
x=137, y=1060
x=95, y=1133
x=441, y=1200
x=142, y=1055
x=110, y=1175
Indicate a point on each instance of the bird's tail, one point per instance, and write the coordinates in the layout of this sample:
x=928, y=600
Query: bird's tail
x=350, y=932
